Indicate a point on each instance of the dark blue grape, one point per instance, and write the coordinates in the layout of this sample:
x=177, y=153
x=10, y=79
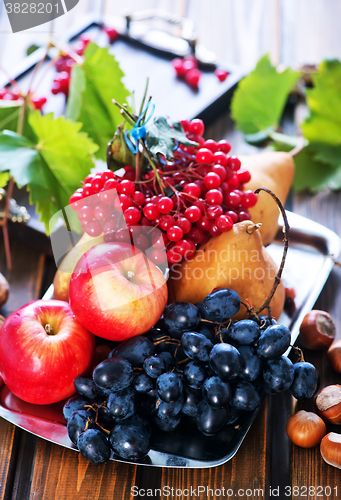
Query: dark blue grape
x=216, y=392
x=305, y=382
x=74, y=404
x=154, y=366
x=143, y=383
x=167, y=410
x=279, y=374
x=234, y=415
x=192, y=399
x=225, y=361
x=135, y=350
x=169, y=360
x=252, y=365
x=181, y=317
x=94, y=446
x=220, y=304
x=205, y=331
x=245, y=396
x=129, y=441
x=122, y=404
x=78, y=422
x=140, y=422
x=264, y=321
x=211, y=420
x=169, y=387
x=104, y=415
x=244, y=332
x=147, y=403
x=195, y=374
x=167, y=424
x=273, y=342
x=114, y=374
x=85, y=387
x=196, y=346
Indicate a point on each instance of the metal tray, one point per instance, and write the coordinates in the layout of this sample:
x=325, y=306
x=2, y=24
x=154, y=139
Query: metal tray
x=307, y=268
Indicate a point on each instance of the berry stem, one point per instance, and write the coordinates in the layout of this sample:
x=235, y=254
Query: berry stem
x=286, y=228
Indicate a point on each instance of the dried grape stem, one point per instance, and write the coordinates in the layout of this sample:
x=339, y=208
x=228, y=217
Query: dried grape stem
x=286, y=228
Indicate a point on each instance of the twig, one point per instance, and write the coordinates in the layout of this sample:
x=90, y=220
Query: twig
x=286, y=228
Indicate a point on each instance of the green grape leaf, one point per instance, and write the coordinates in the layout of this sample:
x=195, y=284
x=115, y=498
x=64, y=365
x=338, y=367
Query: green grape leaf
x=161, y=137
x=94, y=84
x=259, y=100
x=4, y=178
x=52, y=166
x=323, y=124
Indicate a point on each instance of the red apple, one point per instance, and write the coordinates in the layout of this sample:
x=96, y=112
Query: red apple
x=116, y=292
x=43, y=348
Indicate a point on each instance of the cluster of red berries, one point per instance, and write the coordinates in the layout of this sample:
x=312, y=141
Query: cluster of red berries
x=187, y=70
x=13, y=94
x=200, y=195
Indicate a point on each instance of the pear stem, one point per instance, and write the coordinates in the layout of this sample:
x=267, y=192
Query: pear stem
x=286, y=228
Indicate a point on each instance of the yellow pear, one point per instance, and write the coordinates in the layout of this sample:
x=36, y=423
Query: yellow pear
x=236, y=259
x=275, y=171
x=63, y=275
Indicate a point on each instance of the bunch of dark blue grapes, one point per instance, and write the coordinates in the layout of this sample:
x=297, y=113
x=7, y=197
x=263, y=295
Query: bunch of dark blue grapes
x=195, y=363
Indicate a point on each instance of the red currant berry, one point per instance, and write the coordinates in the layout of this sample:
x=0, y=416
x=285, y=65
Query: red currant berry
x=212, y=180
x=112, y=34
x=193, y=213
x=159, y=240
x=109, y=237
x=85, y=214
x=178, y=66
x=196, y=138
x=175, y=233
x=173, y=256
x=185, y=125
x=126, y=187
x=197, y=127
x=220, y=158
x=243, y=215
x=132, y=215
x=200, y=204
x=38, y=102
x=196, y=235
x=233, y=215
x=108, y=197
x=244, y=176
x=214, y=197
x=224, y=146
x=144, y=222
x=188, y=65
x=122, y=202
x=219, y=170
x=109, y=226
x=213, y=230
x=165, y=204
x=101, y=211
x=139, y=198
x=142, y=242
x=233, y=199
x=234, y=163
x=221, y=74
x=214, y=211
x=150, y=211
x=203, y=223
x=204, y=155
x=110, y=184
x=157, y=256
x=224, y=223
x=185, y=247
x=56, y=88
x=76, y=201
x=192, y=77
x=97, y=183
x=192, y=189
x=185, y=224
x=234, y=183
x=249, y=199
x=229, y=173
x=107, y=174
x=167, y=221
x=123, y=235
x=93, y=229
x=211, y=144
x=88, y=190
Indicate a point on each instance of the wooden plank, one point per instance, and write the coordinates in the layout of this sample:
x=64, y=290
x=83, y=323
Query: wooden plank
x=9, y=439
x=60, y=474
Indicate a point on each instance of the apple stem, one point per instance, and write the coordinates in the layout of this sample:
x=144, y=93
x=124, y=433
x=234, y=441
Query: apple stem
x=48, y=329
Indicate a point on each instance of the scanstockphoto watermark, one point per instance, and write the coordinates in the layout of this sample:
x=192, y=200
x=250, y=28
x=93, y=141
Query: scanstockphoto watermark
x=24, y=15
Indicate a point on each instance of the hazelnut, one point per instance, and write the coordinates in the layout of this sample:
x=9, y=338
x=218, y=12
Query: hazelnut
x=334, y=356
x=331, y=449
x=317, y=330
x=305, y=429
x=328, y=404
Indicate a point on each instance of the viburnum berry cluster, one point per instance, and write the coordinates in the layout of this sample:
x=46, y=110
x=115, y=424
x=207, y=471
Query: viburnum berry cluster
x=187, y=69
x=14, y=94
x=198, y=194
